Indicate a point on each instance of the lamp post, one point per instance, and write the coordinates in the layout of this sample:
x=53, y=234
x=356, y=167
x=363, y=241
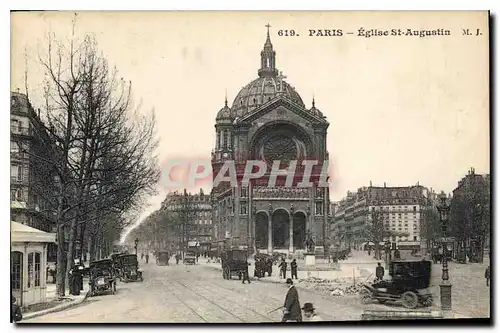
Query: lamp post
x=136, y=242
x=387, y=253
x=445, y=286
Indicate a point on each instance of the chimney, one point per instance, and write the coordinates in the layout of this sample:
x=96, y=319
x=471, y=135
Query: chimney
x=38, y=112
x=384, y=184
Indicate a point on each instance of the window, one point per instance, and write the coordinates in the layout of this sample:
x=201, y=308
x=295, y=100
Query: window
x=19, y=195
x=414, y=238
x=13, y=195
x=17, y=266
x=414, y=209
x=31, y=268
x=19, y=172
x=243, y=209
x=319, y=208
x=37, y=269
x=244, y=192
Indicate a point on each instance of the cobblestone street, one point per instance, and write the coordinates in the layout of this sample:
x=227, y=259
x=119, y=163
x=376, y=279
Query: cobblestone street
x=187, y=294
x=198, y=294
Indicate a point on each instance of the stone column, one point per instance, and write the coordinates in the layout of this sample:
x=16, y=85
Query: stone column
x=43, y=273
x=269, y=232
x=290, y=243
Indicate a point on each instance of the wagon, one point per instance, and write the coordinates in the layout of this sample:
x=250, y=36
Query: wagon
x=234, y=263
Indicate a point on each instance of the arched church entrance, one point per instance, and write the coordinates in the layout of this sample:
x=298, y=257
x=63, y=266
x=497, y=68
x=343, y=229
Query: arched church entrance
x=261, y=230
x=281, y=229
x=299, y=230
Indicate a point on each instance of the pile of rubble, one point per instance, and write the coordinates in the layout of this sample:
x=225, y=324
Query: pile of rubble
x=335, y=287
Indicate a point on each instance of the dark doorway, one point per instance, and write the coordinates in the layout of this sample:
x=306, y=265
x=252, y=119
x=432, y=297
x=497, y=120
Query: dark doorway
x=299, y=230
x=281, y=229
x=261, y=230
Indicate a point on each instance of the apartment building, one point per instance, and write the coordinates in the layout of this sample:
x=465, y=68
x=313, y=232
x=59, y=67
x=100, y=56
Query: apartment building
x=400, y=207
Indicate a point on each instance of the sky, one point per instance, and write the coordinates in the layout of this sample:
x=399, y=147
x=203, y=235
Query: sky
x=402, y=110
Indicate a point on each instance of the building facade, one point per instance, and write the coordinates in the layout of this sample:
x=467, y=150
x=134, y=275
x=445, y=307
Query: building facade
x=400, y=208
x=475, y=190
x=28, y=174
x=196, y=210
x=268, y=122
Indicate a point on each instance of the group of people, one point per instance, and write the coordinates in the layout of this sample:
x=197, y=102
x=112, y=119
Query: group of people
x=145, y=257
x=293, y=268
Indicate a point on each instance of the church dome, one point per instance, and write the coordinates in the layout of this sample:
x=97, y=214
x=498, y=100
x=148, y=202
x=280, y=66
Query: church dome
x=315, y=111
x=262, y=90
x=224, y=113
x=266, y=87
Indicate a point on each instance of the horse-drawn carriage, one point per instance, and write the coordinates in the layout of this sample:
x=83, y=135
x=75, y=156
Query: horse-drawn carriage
x=409, y=285
x=234, y=263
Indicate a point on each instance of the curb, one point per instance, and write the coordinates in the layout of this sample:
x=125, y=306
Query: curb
x=55, y=309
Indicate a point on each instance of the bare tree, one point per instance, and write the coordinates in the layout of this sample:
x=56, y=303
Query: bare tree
x=100, y=151
x=376, y=232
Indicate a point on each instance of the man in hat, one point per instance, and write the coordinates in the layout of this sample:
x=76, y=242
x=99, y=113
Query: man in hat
x=282, y=267
x=291, y=309
x=309, y=313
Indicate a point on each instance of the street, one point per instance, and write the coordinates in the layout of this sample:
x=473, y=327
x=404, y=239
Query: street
x=198, y=294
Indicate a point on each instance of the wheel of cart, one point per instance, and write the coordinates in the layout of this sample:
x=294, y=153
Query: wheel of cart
x=410, y=300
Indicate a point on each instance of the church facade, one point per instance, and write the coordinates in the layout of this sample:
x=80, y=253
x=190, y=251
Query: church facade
x=268, y=121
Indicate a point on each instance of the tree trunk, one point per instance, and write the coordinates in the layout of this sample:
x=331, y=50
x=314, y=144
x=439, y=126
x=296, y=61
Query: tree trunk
x=71, y=246
x=61, y=263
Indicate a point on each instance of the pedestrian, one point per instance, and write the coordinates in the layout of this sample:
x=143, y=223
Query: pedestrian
x=147, y=257
x=270, y=266
x=293, y=268
x=246, y=276
x=282, y=266
x=16, y=313
x=177, y=258
x=487, y=276
x=291, y=309
x=379, y=272
x=142, y=256
x=310, y=313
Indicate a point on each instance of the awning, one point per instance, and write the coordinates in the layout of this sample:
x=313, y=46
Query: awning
x=21, y=233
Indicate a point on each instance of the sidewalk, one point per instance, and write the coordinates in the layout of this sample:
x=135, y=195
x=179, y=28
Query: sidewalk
x=58, y=304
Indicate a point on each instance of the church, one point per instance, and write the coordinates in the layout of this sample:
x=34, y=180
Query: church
x=268, y=121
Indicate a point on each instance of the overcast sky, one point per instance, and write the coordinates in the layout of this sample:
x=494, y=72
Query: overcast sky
x=402, y=110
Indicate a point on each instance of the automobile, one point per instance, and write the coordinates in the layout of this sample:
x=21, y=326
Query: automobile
x=102, y=277
x=128, y=268
x=409, y=285
x=190, y=258
x=234, y=263
x=162, y=258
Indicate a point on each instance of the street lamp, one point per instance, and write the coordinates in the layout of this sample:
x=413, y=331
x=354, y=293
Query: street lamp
x=445, y=286
x=136, y=243
x=387, y=252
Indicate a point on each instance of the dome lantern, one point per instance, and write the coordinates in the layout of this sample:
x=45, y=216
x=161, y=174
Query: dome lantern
x=268, y=58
